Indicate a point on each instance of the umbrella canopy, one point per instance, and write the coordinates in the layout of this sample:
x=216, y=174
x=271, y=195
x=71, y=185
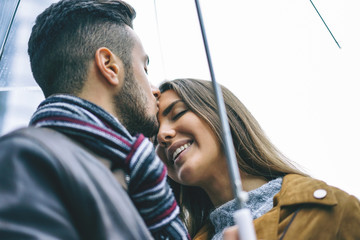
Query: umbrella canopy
x=276, y=56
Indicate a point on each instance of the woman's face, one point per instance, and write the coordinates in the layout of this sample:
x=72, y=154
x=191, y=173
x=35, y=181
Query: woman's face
x=187, y=145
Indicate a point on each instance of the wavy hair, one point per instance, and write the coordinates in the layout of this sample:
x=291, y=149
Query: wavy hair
x=255, y=154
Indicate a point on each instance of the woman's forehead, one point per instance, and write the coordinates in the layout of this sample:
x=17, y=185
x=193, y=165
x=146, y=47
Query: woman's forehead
x=167, y=98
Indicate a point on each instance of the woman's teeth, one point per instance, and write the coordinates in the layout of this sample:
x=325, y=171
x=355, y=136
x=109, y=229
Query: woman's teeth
x=179, y=150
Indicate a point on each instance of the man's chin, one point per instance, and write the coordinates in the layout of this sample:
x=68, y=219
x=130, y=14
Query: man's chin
x=148, y=128
x=152, y=128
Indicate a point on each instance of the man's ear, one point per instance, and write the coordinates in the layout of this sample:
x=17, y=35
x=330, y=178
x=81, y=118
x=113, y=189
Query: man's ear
x=109, y=65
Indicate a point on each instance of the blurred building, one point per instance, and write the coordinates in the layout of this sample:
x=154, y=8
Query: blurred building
x=19, y=93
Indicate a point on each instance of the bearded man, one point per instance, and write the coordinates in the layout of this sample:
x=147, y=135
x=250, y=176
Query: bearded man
x=83, y=168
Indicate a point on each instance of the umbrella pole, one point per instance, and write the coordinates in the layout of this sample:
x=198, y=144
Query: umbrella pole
x=242, y=216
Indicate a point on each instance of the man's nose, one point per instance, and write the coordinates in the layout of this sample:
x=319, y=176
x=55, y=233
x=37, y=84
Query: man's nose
x=156, y=92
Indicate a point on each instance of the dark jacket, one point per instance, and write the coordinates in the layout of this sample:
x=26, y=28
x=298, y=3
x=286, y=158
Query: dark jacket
x=305, y=209
x=53, y=188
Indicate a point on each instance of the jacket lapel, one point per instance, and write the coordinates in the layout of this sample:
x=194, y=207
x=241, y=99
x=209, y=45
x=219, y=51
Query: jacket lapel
x=296, y=191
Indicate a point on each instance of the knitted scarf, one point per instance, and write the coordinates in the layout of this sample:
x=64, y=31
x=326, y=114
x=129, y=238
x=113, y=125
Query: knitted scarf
x=102, y=133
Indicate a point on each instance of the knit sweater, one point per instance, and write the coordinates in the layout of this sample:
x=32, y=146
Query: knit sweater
x=260, y=202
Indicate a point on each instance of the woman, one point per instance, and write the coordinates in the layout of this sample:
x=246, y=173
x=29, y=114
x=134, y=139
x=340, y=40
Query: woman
x=280, y=195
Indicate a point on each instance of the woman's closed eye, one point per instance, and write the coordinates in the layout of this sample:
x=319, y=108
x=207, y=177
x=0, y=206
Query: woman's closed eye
x=178, y=115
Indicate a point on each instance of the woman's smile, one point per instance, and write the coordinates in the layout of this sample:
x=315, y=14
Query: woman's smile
x=184, y=139
x=180, y=151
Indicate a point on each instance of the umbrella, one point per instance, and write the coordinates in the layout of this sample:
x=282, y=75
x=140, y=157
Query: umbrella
x=330, y=118
x=242, y=216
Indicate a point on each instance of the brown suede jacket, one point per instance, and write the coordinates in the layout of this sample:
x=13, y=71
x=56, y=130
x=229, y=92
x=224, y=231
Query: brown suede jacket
x=306, y=208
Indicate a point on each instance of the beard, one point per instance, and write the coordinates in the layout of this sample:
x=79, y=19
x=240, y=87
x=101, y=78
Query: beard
x=131, y=108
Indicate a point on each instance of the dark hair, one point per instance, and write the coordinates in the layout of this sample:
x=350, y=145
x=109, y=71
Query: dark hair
x=255, y=154
x=66, y=36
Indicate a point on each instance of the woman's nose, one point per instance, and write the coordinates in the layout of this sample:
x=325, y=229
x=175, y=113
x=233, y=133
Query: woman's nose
x=165, y=136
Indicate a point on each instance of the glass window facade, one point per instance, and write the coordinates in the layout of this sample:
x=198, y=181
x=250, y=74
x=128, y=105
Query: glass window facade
x=19, y=93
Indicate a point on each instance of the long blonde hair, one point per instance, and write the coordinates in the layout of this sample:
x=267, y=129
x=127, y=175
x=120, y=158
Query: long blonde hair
x=255, y=154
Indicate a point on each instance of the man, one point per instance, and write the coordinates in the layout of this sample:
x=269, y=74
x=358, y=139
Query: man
x=57, y=176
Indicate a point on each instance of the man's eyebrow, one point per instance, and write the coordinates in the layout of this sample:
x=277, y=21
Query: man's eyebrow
x=147, y=60
x=168, y=108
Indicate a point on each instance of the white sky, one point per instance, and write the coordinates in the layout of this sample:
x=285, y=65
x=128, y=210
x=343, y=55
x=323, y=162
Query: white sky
x=278, y=58
x=282, y=63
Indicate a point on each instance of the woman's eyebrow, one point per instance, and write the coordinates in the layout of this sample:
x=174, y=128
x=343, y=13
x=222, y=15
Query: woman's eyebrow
x=168, y=108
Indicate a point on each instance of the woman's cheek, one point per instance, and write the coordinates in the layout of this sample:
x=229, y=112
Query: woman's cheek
x=160, y=151
x=172, y=174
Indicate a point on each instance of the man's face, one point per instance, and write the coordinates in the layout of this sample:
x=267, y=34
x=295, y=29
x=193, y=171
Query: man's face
x=136, y=103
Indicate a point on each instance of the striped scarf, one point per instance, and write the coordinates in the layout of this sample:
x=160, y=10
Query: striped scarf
x=98, y=130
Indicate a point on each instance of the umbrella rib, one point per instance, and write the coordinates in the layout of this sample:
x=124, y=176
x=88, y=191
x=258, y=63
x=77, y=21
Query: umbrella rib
x=325, y=24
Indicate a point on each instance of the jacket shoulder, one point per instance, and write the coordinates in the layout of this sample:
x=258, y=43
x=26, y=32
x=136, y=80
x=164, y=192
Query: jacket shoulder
x=61, y=185
x=30, y=144
x=32, y=185
x=308, y=189
x=37, y=136
x=313, y=206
